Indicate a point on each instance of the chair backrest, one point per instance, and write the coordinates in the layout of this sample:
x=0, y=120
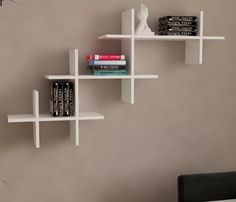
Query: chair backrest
x=207, y=187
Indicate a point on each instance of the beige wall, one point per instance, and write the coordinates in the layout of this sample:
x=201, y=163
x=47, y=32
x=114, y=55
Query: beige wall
x=185, y=122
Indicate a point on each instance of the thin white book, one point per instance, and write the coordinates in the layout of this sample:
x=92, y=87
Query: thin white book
x=107, y=62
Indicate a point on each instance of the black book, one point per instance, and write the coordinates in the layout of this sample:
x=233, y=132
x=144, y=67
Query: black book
x=71, y=99
x=60, y=99
x=177, y=33
x=177, y=23
x=179, y=18
x=54, y=98
x=178, y=28
x=66, y=87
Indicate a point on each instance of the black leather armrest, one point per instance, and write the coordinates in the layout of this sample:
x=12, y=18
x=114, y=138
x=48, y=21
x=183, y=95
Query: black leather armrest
x=207, y=187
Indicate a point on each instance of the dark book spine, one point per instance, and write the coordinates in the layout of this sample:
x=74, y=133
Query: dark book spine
x=177, y=33
x=54, y=99
x=60, y=99
x=179, y=18
x=71, y=99
x=66, y=98
x=178, y=28
x=177, y=23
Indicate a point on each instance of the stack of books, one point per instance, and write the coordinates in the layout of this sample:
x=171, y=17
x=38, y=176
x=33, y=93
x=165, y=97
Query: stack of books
x=61, y=98
x=178, y=25
x=105, y=65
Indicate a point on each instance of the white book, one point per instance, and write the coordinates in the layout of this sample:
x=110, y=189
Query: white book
x=107, y=62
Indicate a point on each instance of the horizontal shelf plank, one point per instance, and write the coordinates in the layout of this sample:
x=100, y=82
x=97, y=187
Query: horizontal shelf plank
x=165, y=38
x=160, y=37
x=60, y=77
x=84, y=77
x=115, y=36
x=213, y=38
x=118, y=77
x=20, y=118
x=90, y=116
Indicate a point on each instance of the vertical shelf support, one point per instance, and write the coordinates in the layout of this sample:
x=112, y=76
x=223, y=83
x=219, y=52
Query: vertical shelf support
x=194, y=48
x=128, y=48
x=74, y=70
x=36, y=118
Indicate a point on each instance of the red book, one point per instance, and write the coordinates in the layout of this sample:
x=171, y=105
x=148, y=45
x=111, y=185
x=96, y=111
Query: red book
x=105, y=57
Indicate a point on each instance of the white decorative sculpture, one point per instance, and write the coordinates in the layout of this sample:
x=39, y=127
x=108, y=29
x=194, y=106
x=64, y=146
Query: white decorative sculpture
x=143, y=28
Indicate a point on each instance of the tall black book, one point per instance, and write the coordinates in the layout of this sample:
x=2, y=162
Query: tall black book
x=54, y=87
x=66, y=97
x=71, y=99
x=60, y=99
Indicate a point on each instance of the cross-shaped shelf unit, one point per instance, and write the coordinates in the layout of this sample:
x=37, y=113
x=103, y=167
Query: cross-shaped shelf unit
x=193, y=55
x=73, y=76
x=193, y=44
x=193, y=47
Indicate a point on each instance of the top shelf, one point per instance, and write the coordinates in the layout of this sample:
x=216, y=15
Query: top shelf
x=159, y=37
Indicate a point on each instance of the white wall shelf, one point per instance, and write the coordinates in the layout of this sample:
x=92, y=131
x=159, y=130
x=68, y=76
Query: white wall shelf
x=159, y=37
x=36, y=118
x=193, y=55
x=127, y=81
x=193, y=44
x=84, y=77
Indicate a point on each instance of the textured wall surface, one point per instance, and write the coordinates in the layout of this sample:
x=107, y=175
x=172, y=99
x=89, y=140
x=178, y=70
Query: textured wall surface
x=184, y=122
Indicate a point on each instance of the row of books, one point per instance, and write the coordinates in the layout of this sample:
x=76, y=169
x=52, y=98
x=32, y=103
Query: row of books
x=178, y=25
x=105, y=65
x=61, y=98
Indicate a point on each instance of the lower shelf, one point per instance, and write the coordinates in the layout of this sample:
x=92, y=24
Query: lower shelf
x=20, y=118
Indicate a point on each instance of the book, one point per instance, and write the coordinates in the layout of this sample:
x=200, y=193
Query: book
x=66, y=111
x=60, y=99
x=178, y=23
x=107, y=62
x=178, y=18
x=71, y=99
x=183, y=33
x=105, y=57
x=54, y=98
x=177, y=28
x=118, y=72
x=106, y=67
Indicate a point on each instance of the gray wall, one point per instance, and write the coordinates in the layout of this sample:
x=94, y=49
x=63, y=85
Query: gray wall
x=182, y=123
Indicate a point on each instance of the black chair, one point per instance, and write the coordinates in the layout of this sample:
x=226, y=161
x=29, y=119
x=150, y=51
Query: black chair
x=207, y=187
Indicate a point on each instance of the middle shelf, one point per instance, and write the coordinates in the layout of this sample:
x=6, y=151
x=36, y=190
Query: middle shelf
x=84, y=77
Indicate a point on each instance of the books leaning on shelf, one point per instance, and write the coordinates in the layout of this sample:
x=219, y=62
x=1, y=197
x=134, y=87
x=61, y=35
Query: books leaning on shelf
x=105, y=65
x=178, y=25
x=61, y=98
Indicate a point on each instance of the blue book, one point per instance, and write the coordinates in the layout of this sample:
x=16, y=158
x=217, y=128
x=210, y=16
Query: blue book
x=107, y=62
x=108, y=73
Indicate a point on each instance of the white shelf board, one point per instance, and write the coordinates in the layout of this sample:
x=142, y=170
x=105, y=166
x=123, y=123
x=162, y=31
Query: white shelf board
x=115, y=36
x=21, y=118
x=213, y=38
x=165, y=38
x=84, y=77
x=118, y=77
x=90, y=116
x=60, y=77
x=160, y=37
x=47, y=117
